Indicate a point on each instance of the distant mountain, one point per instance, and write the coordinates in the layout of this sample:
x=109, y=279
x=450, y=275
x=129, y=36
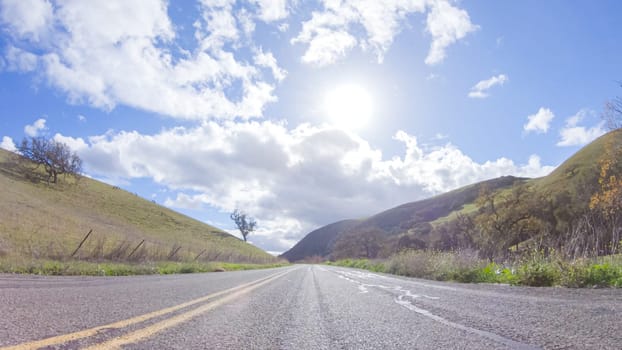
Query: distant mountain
x=319, y=242
x=576, y=178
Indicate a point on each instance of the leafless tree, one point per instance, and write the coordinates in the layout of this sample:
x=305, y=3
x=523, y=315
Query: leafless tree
x=613, y=113
x=244, y=223
x=55, y=157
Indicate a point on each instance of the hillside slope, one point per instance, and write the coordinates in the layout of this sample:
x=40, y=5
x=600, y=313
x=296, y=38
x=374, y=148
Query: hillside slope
x=414, y=216
x=410, y=215
x=48, y=221
x=571, y=184
x=319, y=242
x=579, y=172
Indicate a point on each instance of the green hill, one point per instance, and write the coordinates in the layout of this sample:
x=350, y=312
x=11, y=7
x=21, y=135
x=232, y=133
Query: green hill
x=580, y=172
x=409, y=217
x=415, y=215
x=44, y=221
x=319, y=242
x=570, y=186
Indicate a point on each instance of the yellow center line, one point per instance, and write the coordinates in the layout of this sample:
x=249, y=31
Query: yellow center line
x=36, y=344
x=151, y=330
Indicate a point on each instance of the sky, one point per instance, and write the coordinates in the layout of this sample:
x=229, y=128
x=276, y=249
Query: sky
x=302, y=113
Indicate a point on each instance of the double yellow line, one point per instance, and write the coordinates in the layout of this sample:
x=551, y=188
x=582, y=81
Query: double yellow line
x=150, y=330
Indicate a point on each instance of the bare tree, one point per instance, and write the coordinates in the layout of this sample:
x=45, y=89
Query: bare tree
x=613, y=113
x=244, y=223
x=55, y=157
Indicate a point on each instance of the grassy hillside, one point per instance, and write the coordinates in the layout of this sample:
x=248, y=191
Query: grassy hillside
x=44, y=221
x=570, y=185
x=580, y=172
x=319, y=242
x=409, y=217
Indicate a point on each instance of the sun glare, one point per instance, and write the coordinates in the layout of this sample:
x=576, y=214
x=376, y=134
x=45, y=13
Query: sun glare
x=348, y=106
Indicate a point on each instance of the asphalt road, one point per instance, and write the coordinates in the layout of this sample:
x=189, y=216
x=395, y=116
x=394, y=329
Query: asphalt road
x=300, y=307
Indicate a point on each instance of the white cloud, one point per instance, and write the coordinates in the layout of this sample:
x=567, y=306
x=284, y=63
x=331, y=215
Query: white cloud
x=266, y=59
x=138, y=39
x=328, y=46
x=291, y=180
x=539, y=122
x=480, y=90
x=185, y=201
x=439, y=136
x=34, y=128
x=246, y=22
x=8, y=144
x=20, y=60
x=574, y=135
x=336, y=29
x=29, y=19
x=272, y=10
x=219, y=25
x=283, y=27
x=447, y=24
x=76, y=144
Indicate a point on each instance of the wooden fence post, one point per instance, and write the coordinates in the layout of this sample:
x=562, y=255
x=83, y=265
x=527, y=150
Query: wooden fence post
x=135, y=249
x=81, y=243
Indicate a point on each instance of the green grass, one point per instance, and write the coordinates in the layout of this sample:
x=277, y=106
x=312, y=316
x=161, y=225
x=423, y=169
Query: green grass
x=365, y=264
x=534, y=270
x=47, y=222
x=85, y=268
x=580, y=169
x=467, y=209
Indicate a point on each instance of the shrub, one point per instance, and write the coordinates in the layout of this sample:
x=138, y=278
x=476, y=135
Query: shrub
x=538, y=274
x=585, y=273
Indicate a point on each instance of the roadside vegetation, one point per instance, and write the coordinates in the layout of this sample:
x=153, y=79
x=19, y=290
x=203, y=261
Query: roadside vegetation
x=89, y=268
x=125, y=258
x=536, y=269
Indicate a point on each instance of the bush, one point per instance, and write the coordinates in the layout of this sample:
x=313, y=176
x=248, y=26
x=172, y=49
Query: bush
x=538, y=275
x=539, y=269
x=585, y=273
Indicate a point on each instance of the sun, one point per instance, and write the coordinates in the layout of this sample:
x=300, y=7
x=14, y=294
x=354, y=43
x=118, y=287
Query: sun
x=348, y=106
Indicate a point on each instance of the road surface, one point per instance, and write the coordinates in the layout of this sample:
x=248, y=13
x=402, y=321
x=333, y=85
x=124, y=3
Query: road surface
x=300, y=307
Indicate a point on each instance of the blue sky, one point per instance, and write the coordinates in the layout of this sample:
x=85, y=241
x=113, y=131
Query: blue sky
x=302, y=113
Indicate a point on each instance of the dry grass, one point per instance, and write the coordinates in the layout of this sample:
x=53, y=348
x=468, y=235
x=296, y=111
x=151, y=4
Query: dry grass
x=41, y=221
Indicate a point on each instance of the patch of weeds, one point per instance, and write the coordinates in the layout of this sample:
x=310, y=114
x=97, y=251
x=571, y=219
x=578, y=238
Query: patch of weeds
x=585, y=273
x=507, y=275
x=538, y=274
x=364, y=264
